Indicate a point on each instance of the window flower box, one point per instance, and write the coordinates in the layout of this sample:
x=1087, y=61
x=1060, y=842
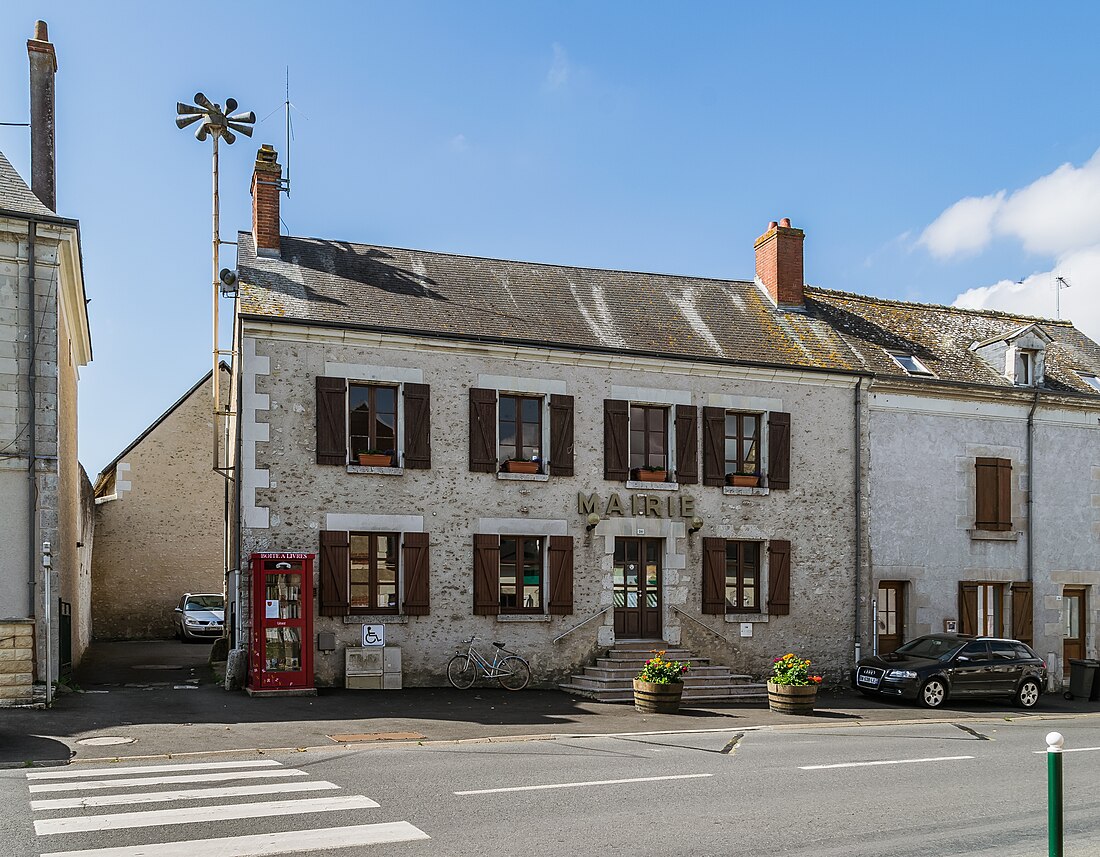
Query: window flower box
x=644, y=475
x=743, y=480
x=375, y=459
x=516, y=466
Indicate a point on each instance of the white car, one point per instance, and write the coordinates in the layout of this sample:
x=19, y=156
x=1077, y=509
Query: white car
x=200, y=616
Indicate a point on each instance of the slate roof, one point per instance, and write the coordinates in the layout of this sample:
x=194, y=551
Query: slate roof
x=368, y=286
x=14, y=193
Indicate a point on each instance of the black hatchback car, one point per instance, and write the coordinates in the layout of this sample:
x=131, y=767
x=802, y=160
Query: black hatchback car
x=933, y=668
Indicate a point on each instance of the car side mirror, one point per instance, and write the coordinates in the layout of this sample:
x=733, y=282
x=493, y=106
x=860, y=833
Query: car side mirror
x=178, y=610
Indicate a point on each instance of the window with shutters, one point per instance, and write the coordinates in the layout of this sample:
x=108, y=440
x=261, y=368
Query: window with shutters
x=521, y=574
x=742, y=447
x=649, y=438
x=519, y=429
x=742, y=577
x=372, y=421
x=981, y=609
x=373, y=573
x=993, y=494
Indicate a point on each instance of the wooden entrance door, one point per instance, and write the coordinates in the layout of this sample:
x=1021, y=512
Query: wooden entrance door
x=637, y=582
x=891, y=615
x=1073, y=633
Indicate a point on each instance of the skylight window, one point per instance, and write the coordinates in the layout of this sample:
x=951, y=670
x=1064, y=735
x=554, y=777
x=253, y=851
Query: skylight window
x=910, y=363
x=1091, y=380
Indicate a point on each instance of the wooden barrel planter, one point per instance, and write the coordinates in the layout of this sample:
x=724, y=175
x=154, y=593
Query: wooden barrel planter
x=654, y=698
x=792, y=699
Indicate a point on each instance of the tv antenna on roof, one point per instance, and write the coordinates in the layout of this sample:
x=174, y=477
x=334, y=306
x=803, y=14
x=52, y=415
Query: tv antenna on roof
x=1060, y=283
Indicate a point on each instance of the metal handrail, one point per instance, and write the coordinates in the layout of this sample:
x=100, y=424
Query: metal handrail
x=701, y=624
x=575, y=627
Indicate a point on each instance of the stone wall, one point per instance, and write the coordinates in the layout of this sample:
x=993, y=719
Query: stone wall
x=287, y=499
x=161, y=533
x=16, y=662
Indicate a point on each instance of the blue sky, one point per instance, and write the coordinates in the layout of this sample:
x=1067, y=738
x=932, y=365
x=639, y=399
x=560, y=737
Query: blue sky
x=636, y=136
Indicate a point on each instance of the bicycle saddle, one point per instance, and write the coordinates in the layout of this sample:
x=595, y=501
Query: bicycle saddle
x=499, y=645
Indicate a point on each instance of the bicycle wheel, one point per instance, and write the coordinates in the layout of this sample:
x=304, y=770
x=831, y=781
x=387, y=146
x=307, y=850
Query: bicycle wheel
x=514, y=673
x=461, y=671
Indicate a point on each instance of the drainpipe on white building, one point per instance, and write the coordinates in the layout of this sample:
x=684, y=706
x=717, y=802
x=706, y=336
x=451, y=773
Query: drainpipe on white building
x=1030, y=486
x=857, y=454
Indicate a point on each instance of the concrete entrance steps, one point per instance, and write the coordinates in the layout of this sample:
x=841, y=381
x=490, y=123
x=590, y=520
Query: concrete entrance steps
x=610, y=679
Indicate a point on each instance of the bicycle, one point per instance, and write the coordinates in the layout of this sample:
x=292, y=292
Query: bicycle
x=509, y=669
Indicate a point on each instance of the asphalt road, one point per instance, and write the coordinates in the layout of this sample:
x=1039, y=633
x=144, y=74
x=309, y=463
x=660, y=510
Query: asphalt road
x=918, y=789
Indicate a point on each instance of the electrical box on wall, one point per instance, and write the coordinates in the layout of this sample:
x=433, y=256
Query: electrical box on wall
x=951, y=626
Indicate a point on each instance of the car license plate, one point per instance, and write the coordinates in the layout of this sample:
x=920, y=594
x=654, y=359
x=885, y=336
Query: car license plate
x=868, y=679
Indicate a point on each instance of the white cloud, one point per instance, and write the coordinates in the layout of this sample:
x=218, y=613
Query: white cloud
x=458, y=143
x=558, y=75
x=966, y=227
x=1056, y=216
x=1035, y=295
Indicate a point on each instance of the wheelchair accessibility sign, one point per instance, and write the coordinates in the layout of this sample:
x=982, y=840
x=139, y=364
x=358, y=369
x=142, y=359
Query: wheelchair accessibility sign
x=374, y=635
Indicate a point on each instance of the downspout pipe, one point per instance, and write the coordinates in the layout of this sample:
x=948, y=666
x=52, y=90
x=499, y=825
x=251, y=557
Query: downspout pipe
x=857, y=447
x=32, y=420
x=1030, y=489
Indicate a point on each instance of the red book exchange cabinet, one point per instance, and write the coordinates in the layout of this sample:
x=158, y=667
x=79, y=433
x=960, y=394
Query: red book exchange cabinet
x=281, y=658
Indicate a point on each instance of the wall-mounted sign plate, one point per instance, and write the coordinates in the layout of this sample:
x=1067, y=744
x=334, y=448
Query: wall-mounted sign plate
x=374, y=635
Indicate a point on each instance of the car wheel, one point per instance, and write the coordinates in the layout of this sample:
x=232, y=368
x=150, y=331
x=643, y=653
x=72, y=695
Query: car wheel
x=1028, y=694
x=933, y=693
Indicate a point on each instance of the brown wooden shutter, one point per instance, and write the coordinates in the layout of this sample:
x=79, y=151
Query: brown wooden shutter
x=418, y=426
x=414, y=568
x=486, y=575
x=779, y=451
x=714, y=575
x=687, y=444
x=968, y=608
x=332, y=421
x=1022, y=628
x=560, y=555
x=779, y=577
x=561, y=435
x=483, y=430
x=335, y=565
x=714, y=446
x=616, y=440
x=993, y=494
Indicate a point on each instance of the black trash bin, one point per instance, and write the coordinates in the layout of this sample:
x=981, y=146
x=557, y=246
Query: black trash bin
x=1082, y=679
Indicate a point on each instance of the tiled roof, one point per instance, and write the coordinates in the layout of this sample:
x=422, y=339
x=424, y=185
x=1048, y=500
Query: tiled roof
x=14, y=193
x=362, y=285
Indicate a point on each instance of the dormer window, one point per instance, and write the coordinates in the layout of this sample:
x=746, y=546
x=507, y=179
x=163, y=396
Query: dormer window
x=1025, y=368
x=910, y=363
x=1091, y=380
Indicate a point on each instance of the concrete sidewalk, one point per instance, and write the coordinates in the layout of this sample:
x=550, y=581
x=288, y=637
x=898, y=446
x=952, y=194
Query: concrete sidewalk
x=159, y=699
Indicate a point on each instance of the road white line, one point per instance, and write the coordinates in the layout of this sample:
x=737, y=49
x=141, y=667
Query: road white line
x=885, y=762
x=579, y=785
x=179, y=794
x=74, y=773
x=262, y=844
x=158, y=781
x=190, y=814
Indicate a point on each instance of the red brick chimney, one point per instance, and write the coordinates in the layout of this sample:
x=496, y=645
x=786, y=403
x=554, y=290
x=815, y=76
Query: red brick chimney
x=779, y=262
x=43, y=156
x=265, y=201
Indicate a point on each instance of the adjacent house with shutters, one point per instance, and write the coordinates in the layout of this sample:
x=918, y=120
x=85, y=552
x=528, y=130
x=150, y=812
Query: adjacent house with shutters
x=985, y=473
x=561, y=458
x=567, y=459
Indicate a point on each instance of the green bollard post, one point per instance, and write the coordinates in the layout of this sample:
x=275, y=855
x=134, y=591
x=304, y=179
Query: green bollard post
x=1054, y=793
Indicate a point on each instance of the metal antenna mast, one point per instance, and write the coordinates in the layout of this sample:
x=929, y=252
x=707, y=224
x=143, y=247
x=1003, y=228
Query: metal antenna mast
x=1059, y=284
x=218, y=124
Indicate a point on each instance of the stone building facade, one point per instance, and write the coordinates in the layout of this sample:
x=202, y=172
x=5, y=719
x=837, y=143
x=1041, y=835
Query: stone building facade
x=887, y=469
x=44, y=340
x=159, y=522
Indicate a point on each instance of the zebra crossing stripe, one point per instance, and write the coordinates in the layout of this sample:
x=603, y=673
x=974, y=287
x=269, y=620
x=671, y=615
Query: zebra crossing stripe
x=159, y=781
x=114, y=771
x=178, y=794
x=191, y=814
x=263, y=844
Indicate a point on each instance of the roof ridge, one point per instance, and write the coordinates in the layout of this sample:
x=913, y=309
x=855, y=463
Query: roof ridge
x=741, y=281
x=995, y=313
